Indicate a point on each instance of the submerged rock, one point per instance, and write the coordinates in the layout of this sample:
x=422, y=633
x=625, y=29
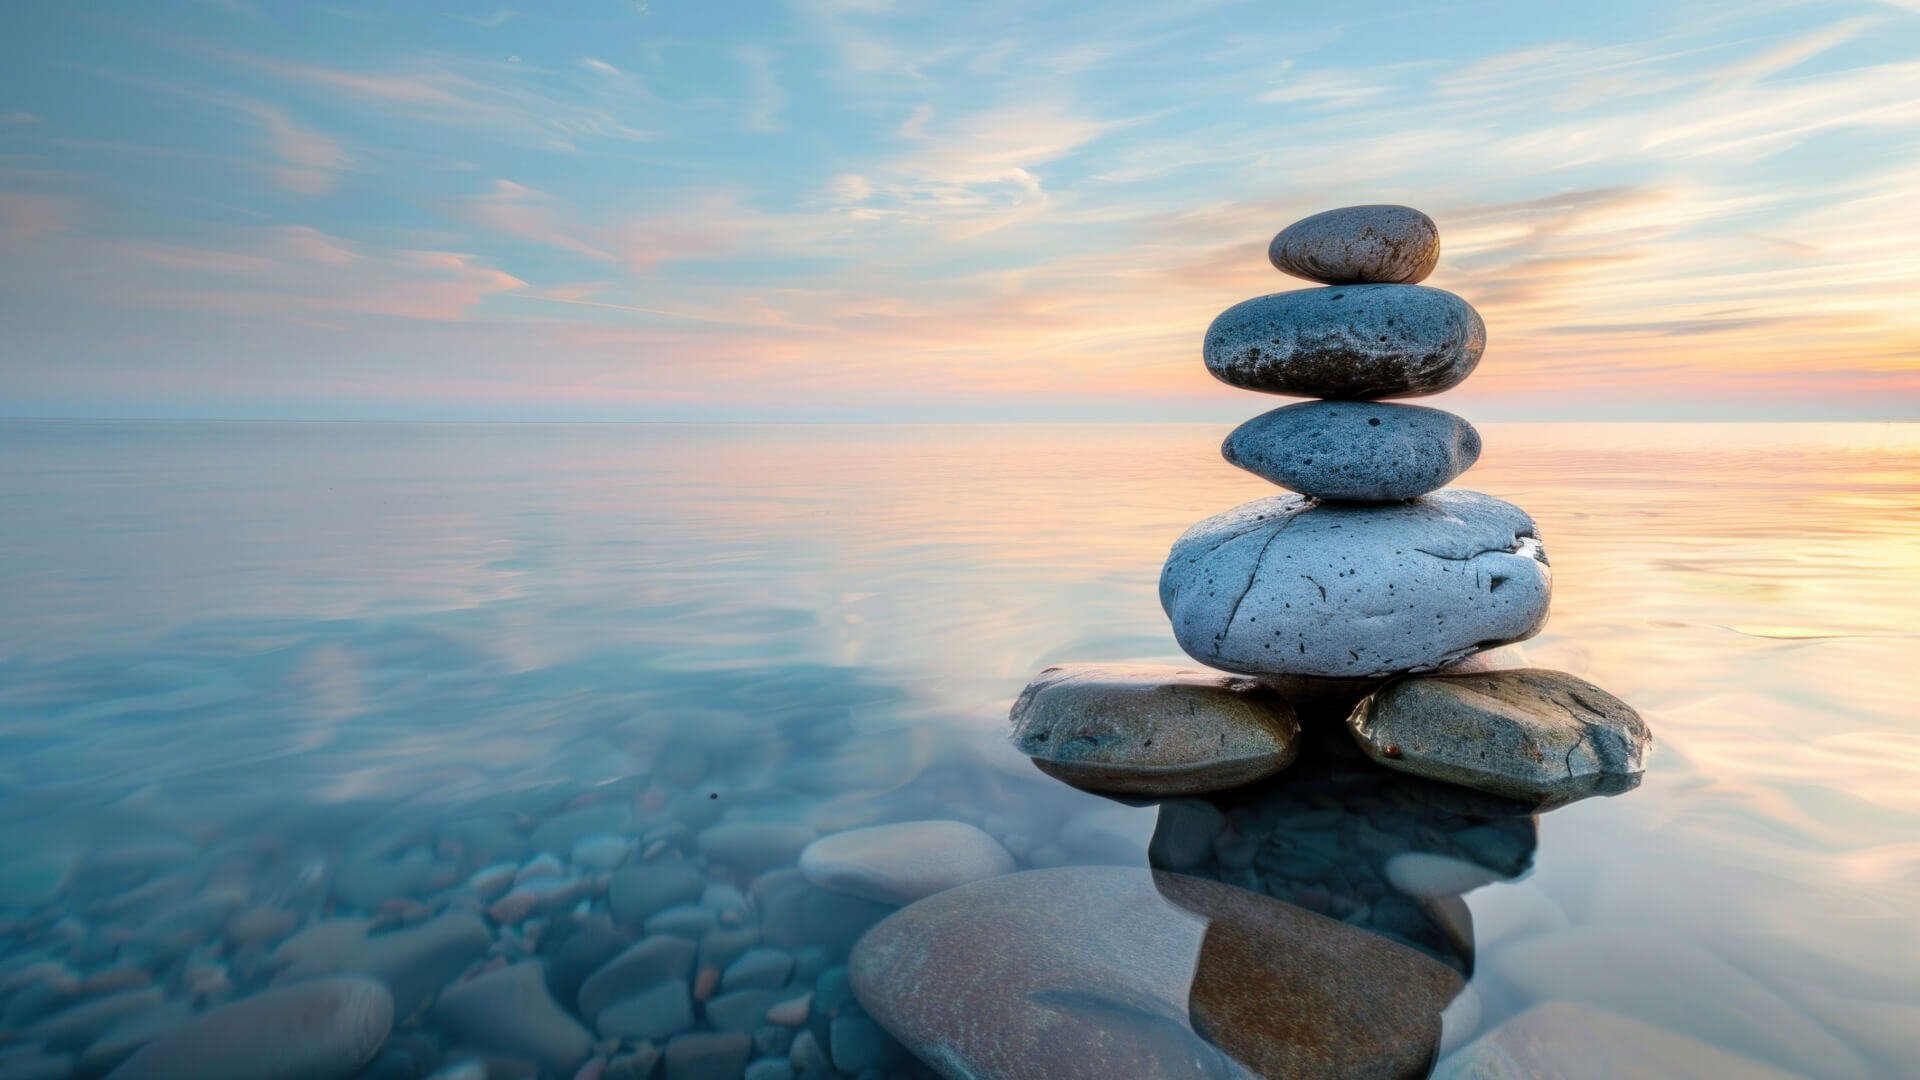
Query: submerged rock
x=900, y=863
x=1288, y=586
x=1354, y=244
x=1666, y=980
x=1541, y=736
x=1152, y=730
x=320, y=1030
x=1357, y=451
x=1108, y=971
x=1577, y=1042
x=414, y=961
x=509, y=1012
x=1347, y=341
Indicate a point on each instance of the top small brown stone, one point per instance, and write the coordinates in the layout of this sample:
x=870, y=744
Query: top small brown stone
x=1391, y=245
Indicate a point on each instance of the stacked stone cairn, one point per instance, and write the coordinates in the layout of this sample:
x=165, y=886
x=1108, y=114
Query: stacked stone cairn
x=1372, y=591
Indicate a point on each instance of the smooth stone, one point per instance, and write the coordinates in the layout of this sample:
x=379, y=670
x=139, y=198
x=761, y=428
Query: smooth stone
x=558, y=834
x=656, y=959
x=1354, y=244
x=1347, y=341
x=75, y=1027
x=795, y=913
x=686, y=920
x=769, y=1069
x=856, y=1044
x=1426, y=875
x=742, y=1010
x=1665, y=980
x=637, y=1064
x=602, y=851
x=708, y=1055
x=1102, y=972
x=754, y=846
x=718, y=948
x=660, y=1011
x=586, y=947
x=325, y=1029
x=765, y=968
x=900, y=863
x=414, y=961
x=1355, y=451
x=120, y=1041
x=508, y=1011
x=364, y=882
x=1569, y=1041
x=635, y=892
x=1289, y=586
x=1533, y=735
x=1152, y=730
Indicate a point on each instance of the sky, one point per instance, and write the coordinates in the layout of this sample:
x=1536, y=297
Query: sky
x=857, y=210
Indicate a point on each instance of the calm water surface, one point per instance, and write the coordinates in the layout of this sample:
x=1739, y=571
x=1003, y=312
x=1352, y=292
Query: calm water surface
x=261, y=655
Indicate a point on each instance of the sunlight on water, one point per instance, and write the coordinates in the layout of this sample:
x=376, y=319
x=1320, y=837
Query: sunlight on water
x=207, y=629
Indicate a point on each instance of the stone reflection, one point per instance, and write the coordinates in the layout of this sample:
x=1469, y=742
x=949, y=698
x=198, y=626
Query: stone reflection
x=1104, y=972
x=1378, y=850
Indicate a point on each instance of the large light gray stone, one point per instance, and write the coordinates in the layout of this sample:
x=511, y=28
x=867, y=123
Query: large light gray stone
x=1151, y=729
x=900, y=863
x=1378, y=243
x=1347, y=341
x=1351, y=450
x=1535, y=735
x=1104, y=972
x=1288, y=586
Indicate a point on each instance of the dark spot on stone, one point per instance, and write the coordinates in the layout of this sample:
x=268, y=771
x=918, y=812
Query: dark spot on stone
x=1373, y=421
x=713, y=794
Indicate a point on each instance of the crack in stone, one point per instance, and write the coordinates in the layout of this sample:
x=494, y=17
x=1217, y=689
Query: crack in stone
x=1253, y=575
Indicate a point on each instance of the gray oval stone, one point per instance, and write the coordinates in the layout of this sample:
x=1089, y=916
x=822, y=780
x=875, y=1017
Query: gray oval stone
x=325, y=1029
x=1358, y=451
x=1152, y=730
x=902, y=862
x=1289, y=586
x=1347, y=341
x=1536, y=735
x=1354, y=244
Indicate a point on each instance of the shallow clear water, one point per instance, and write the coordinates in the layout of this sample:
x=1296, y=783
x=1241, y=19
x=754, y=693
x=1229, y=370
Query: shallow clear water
x=254, y=654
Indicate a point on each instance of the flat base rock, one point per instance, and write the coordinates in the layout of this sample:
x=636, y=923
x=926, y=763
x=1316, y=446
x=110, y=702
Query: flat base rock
x=1103, y=972
x=1378, y=243
x=900, y=863
x=1290, y=586
x=1354, y=342
x=1355, y=451
x=1151, y=730
x=1540, y=736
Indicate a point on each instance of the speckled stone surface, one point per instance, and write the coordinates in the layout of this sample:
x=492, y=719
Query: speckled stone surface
x=1149, y=729
x=1578, y=1042
x=1542, y=736
x=1354, y=244
x=1353, y=450
x=325, y=1029
x=1289, y=586
x=1347, y=341
x=905, y=861
x=1102, y=972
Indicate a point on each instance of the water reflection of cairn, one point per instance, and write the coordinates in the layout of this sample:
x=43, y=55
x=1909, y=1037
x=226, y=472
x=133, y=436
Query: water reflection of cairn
x=1372, y=592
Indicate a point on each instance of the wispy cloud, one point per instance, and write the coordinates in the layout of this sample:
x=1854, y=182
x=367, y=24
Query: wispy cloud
x=766, y=100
